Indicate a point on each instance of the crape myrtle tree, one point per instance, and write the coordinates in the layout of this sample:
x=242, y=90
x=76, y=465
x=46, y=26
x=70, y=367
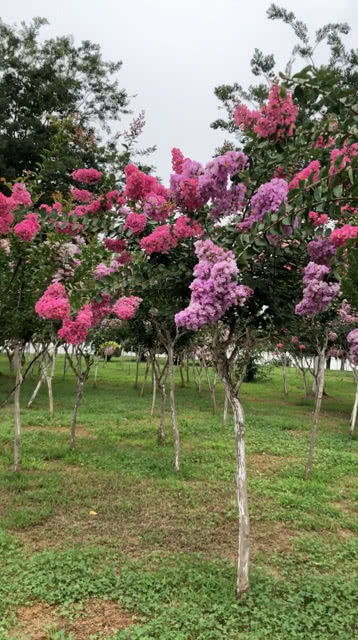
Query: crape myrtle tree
x=257, y=226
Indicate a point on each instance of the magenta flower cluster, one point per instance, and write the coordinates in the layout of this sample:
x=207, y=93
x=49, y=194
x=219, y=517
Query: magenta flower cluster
x=214, y=289
x=276, y=119
x=28, y=228
x=87, y=176
x=126, y=307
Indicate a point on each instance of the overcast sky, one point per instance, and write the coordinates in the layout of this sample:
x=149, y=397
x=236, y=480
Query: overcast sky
x=175, y=52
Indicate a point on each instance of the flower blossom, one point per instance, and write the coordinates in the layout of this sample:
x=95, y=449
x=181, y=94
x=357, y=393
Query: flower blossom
x=310, y=172
x=161, y=240
x=276, y=119
x=54, y=303
x=317, y=293
x=340, y=236
x=214, y=288
x=87, y=176
x=28, y=228
x=136, y=222
x=126, y=307
x=318, y=219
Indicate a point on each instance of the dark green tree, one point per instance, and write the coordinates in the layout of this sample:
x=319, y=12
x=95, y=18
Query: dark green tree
x=55, y=94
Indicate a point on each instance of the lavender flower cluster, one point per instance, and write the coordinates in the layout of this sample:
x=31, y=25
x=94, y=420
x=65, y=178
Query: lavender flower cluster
x=317, y=293
x=214, y=289
x=268, y=197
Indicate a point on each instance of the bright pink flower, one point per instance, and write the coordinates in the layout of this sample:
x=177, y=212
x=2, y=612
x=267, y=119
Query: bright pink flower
x=136, y=222
x=294, y=340
x=139, y=184
x=318, y=219
x=100, y=309
x=157, y=207
x=54, y=303
x=126, y=307
x=276, y=119
x=184, y=227
x=341, y=157
x=20, y=195
x=87, y=176
x=301, y=346
x=177, y=160
x=28, y=228
x=340, y=236
x=161, y=240
x=311, y=171
x=81, y=195
x=73, y=332
x=280, y=345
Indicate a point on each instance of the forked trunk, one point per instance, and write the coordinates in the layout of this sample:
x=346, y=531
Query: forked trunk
x=173, y=408
x=35, y=392
x=321, y=362
x=243, y=559
x=17, y=359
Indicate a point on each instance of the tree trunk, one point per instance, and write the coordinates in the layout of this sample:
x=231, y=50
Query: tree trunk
x=141, y=393
x=226, y=407
x=212, y=390
x=187, y=371
x=35, y=392
x=343, y=363
x=242, y=580
x=80, y=388
x=137, y=370
x=321, y=361
x=173, y=408
x=154, y=393
x=96, y=373
x=354, y=412
x=284, y=372
x=10, y=357
x=17, y=359
x=182, y=381
x=50, y=395
x=161, y=430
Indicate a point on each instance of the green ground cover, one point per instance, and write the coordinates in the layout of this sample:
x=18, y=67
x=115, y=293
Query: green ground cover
x=108, y=542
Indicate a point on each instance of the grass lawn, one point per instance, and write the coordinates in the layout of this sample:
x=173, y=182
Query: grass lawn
x=108, y=542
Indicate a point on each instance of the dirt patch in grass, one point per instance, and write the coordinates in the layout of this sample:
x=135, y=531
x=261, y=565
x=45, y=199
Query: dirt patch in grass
x=81, y=432
x=261, y=463
x=102, y=617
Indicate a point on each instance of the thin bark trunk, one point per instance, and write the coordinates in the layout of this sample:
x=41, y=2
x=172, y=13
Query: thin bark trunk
x=10, y=357
x=343, y=363
x=17, y=359
x=161, y=430
x=154, y=392
x=50, y=395
x=284, y=372
x=187, y=371
x=212, y=390
x=226, y=407
x=96, y=374
x=141, y=393
x=319, y=395
x=304, y=379
x=79, y=395
x=173, y=408
x=35, y=392
x=182, y=381
x=242, y=579
x=354, y=412
x=137, y=370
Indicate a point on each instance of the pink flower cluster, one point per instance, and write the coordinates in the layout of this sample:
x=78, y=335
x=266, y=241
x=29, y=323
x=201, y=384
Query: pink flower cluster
x=276, y=119
x=214, y=289
x=317, y=293
x=310, y=172
x=126, y=307
x=157, y=207
x=28, y=228
x=177, y=160
x=184, y=227
x=139, y=184
x=87, y=176
x=161, y=240
x=347, y=314
x=318, y=219
x=341, y=235
x=20, y=197
x=136, y=222
x=341, y=157
x=54, y=303
x=115, y=244
x=352, y=339
x=81, y=195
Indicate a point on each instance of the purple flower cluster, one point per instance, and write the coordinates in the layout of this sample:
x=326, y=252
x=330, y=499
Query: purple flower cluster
x=321, y=250
x=268, y=197
x=214, y=289
x=317, y=294
x=347, y=314
x=213, y=183
x=352, y=339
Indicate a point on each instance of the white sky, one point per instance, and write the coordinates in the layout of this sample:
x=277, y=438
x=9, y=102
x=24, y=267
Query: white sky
x=175, y=52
